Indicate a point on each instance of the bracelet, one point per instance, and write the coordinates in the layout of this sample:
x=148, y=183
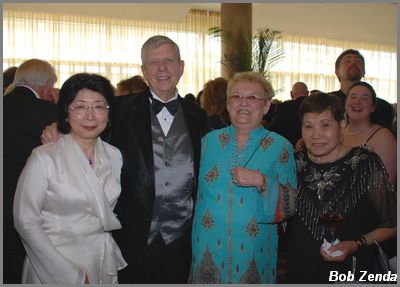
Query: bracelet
x=358, y=243
x=361, y=242
x=364, y=241
x=263, y=186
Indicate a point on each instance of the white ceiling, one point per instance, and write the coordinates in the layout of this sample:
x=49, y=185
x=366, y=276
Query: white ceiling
x=365, y=22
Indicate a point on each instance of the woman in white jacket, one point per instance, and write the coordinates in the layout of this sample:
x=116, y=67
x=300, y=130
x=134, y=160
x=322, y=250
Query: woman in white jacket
x=63, y=206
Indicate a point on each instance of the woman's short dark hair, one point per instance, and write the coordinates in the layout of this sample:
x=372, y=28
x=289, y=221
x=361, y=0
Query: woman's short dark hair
x=70, y=89
x=320, y=102
x=373, y=118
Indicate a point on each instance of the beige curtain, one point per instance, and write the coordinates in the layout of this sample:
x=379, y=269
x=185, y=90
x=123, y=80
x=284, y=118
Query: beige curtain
x=110, y=47
x=312, y=61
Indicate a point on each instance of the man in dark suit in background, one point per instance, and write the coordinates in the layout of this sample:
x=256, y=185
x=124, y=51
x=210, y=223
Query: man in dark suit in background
x=158, y=133
x=26, y=114
x=350, y=69
x=286, y=121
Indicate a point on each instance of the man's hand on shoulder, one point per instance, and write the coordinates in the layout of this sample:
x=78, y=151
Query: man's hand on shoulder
x=300, y=145
x=50, y=134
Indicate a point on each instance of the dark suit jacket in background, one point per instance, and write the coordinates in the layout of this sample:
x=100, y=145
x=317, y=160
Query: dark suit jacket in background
x=131, y=133
x=286, y=121
x=25, y=116
x=269, y=115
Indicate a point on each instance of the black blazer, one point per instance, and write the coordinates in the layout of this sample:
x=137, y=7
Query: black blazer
x=286, y=121
x=131, y=133
x=24, y=116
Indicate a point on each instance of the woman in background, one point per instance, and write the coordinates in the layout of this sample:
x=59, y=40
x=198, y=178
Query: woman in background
x=133, y=85
x=63, y=206
x=363, y=130
x=213, y=100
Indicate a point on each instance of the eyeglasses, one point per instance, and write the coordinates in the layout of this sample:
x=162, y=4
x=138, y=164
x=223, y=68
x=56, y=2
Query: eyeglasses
x=252, y=99
x=99, y=109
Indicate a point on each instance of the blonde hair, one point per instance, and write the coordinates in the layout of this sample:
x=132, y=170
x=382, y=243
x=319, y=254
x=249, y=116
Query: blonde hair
x=252, y=77
x=9, y=89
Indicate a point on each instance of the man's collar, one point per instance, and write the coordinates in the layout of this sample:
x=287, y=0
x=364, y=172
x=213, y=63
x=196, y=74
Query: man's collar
x=33, y=91
x=161, y=100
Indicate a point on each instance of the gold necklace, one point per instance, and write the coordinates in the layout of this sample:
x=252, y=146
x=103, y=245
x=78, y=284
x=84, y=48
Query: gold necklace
x=353, y=133
x=339, y=154
x=346, y=132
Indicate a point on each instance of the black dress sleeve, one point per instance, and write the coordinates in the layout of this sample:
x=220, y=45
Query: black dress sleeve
x=381, y=193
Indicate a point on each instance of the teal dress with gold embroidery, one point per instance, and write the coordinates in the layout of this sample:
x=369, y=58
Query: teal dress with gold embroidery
x=234, y=236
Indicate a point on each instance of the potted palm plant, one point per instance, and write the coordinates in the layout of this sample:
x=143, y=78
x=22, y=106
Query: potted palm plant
x=258, y=52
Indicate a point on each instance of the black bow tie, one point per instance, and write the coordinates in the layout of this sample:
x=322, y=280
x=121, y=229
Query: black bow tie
x=171, y=106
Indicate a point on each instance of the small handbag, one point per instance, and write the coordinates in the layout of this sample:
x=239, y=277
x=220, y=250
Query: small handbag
x=381, y=262
x=380, y=266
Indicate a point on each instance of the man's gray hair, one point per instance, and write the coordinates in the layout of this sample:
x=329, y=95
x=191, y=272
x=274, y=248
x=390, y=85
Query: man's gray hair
x=35, y=73
x=157, y=41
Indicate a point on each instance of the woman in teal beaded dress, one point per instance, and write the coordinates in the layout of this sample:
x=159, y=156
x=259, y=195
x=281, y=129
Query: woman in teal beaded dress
x=247, y=185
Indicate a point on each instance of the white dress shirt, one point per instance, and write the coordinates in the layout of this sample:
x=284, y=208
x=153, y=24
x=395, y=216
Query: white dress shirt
x=33, y=91
x=164, y=116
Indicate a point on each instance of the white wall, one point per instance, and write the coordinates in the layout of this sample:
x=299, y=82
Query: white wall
x=364, y=22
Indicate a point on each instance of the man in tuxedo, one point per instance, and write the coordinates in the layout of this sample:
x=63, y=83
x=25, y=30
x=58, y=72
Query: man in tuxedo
x=350, y=69
x=158, y=133
x=26, y=114
x=286, y=121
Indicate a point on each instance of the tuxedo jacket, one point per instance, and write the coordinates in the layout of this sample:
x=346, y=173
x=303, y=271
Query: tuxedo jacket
x=131, y=133
x=24, y=116
x=286, y=121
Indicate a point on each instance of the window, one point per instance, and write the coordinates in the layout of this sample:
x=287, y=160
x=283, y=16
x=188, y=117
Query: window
x=111, y=47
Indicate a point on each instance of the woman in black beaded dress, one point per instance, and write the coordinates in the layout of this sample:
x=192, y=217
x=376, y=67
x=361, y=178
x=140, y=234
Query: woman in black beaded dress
x=349, y=185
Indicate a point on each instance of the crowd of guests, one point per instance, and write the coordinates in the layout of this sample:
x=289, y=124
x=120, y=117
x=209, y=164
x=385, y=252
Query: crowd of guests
x=152, y=187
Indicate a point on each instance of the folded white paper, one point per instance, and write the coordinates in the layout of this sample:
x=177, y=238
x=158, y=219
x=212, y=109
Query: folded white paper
x=326, y=245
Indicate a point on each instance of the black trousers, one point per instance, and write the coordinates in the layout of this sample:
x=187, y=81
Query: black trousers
x=12, y=267
x=13, y=250
x=166, y=264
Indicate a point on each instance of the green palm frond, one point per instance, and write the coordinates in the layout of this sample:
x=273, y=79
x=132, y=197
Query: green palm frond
x=259, y=52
